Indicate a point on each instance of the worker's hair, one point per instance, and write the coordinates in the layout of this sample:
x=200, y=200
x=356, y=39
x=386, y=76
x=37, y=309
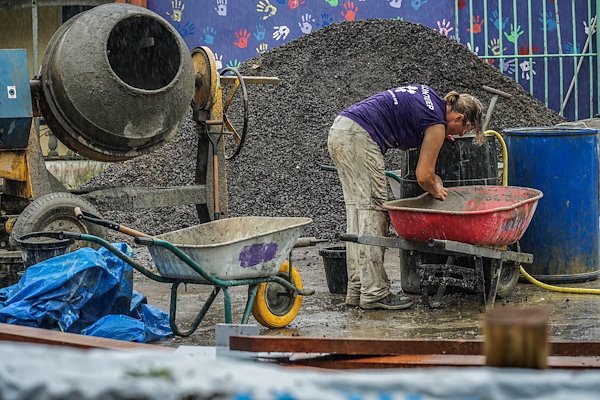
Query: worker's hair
x=472, y=110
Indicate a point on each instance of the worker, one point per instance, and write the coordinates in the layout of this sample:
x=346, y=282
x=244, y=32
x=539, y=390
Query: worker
x=406, y=117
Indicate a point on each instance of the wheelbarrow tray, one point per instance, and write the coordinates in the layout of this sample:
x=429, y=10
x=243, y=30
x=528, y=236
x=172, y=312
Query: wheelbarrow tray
x=481, y=215
x=231, y=248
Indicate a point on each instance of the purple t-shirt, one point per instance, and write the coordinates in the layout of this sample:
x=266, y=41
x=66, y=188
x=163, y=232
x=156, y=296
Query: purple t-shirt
x=398, y=118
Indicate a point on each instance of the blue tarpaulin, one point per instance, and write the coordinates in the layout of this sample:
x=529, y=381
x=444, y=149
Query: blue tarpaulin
x=87, y=291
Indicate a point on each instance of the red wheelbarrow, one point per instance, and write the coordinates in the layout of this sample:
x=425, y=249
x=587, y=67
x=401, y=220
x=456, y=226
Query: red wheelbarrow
x=462, y=242
x=482, y=215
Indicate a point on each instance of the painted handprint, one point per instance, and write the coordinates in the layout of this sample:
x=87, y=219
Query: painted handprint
x=550, y=21
x=444, y=27
x=395, y=3
x=221, y=8
x=293, y=4
x=177, y=12
x=241, y=38
x=262, y=48
x=350, y=10
x=462, y=4
x=416, y=4
x=259, y=32
x=265, y=7
x=507, y=66
x=187, y=29
x=494, y=47
x=234, y=64
x=218, y=61
x=587, y=27
x=527, y=71
x=305, y=23
x=332, y=3
x=495, y=19
x=326, y=20
x=209, y=34
x=569, y=48
x=514, y=35
x=281, y=32
x=524, y=49
x=474, y=50
x=477, y=23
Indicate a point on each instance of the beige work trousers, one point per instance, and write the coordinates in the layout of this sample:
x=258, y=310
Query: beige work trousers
x=361, y=170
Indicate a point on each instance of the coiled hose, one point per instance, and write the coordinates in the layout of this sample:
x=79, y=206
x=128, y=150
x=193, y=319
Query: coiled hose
x=530, y=278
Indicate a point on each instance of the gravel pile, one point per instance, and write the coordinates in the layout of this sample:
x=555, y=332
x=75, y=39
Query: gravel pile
x=278, y=171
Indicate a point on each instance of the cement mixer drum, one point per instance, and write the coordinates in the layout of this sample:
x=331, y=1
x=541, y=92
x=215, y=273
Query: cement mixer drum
x=116, y=82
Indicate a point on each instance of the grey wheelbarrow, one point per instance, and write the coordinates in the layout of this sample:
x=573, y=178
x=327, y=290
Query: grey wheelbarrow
x=241, y=251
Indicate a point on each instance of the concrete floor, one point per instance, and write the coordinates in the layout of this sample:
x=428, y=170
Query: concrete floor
x=573, y=317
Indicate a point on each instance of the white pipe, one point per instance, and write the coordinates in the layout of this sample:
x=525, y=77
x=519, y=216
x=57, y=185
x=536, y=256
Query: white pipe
x=585, y=47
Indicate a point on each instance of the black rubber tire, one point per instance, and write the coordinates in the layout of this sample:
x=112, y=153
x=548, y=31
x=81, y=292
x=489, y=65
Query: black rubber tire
x=54, y=212
x=508, y=279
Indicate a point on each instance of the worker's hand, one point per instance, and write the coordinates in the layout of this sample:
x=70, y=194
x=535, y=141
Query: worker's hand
x=439, y=191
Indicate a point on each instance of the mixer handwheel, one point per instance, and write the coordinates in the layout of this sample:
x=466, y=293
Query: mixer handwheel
x=234, y=106
x=54, y=212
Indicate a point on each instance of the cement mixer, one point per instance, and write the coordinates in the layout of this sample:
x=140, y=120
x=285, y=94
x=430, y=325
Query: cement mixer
x=114, y=84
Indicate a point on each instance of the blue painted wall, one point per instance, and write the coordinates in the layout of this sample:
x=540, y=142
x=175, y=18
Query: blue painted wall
x=237, y=30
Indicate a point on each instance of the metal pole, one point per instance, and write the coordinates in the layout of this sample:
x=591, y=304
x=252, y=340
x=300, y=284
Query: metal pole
x=544, y=12
x=560, y=52
x=530, y=50
x=35, y=44
x=456, y=24
x=516, y=46
x=597, y=60
x=471, y=36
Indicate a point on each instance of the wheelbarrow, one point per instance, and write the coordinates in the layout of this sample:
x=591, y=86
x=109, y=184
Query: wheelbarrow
x=474, y=222
x=241, y=251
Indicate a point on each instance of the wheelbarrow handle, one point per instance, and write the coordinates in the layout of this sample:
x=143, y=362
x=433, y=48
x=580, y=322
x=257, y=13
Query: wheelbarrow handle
x=94, y=219
x=498, y=92
x=347, y=237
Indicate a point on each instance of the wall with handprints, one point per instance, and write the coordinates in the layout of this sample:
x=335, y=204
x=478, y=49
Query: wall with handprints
x=237, y=30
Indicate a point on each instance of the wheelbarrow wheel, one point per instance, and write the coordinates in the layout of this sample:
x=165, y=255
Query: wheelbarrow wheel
x=275, y=306
x=509, y=276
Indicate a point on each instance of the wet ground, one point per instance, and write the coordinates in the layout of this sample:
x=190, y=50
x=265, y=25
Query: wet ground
x=573, y=317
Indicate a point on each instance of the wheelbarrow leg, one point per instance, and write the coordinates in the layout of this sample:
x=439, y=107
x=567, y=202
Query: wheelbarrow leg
x=199, y=317
x=227, y=304
x=495, y=272
x=249, y=303
x=480, y=283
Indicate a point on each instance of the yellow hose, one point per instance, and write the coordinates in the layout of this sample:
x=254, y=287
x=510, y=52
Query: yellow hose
x=530, y=278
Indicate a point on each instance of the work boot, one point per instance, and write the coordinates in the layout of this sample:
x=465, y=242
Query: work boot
x=390, y=302
x=352, y=300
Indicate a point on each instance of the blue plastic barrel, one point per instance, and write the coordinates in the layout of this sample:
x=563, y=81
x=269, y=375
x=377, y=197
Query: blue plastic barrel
x=563, y=236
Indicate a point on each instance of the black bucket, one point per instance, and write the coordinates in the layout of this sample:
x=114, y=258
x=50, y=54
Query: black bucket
x=334, y=261
x=40, y=246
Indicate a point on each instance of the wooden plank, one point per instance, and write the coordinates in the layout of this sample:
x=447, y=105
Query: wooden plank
x=430, y=360
x=16, y=333
x=366, y=346
x=354, y=346
x=398, y=361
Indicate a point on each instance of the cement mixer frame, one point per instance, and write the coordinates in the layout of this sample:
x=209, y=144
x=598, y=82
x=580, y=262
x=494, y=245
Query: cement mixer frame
x=33, y=199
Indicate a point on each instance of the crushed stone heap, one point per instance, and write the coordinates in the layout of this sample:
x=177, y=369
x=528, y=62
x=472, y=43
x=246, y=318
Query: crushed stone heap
x=278, y=170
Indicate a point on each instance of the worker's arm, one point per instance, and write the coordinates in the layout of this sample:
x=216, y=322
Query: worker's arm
x=430, y=148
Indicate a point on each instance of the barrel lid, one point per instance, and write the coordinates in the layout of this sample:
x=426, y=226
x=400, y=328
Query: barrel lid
x=550, y=131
